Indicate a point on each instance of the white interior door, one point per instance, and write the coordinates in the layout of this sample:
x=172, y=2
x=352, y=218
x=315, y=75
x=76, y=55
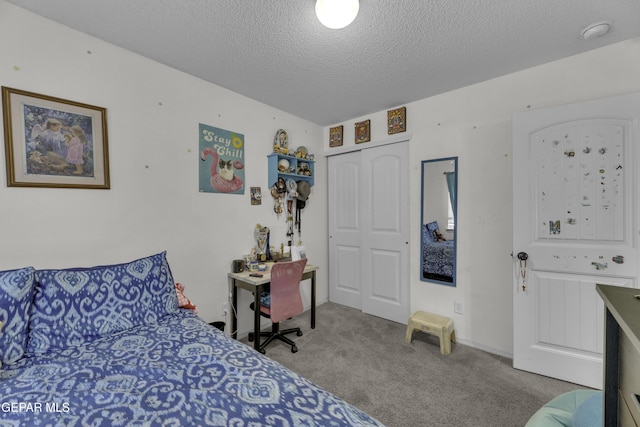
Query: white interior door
x=385, y=232
x=575, y=195
x=345, y=254
x=368, y=231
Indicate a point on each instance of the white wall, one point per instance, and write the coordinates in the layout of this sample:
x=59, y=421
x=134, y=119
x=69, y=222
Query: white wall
x=153, y=205
x=474, y=123
x=153, y=114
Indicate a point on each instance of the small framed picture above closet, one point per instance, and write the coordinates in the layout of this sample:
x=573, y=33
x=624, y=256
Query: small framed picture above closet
x=335, y=136
x=397, y=120
x=363, y=131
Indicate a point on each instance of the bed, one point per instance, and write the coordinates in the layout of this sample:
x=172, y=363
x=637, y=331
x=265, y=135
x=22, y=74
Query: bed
x=437, y=256
x=110, y=346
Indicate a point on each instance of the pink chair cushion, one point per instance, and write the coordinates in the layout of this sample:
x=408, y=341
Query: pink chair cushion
x=286, y=301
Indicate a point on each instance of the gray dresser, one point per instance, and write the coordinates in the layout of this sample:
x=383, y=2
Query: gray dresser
x=621, y=356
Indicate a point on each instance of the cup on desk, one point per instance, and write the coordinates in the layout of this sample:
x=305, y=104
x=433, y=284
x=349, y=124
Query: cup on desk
x=238, y=265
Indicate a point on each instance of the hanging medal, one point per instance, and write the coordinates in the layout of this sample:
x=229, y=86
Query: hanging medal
x=278, y=192
x=291, y=196
x=277, y=201
x=299, y=225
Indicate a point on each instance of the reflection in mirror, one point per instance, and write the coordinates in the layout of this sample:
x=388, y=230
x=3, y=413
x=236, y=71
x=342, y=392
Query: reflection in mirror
x=439, y=207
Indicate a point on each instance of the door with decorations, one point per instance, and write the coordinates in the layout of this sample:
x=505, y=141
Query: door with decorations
x=575, y=195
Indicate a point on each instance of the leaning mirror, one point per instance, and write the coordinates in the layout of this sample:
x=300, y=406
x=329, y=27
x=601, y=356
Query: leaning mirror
x=439, y=207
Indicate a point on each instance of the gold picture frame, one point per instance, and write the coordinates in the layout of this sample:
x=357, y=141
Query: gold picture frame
x=54, y=142
x=397, y=120
x=335, y=136
x=363, y=131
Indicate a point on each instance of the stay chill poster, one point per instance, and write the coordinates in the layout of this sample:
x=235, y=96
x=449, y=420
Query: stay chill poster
x=221, y=161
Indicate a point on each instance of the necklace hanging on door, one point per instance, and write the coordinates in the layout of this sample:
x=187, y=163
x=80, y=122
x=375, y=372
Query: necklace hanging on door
x=522, y=256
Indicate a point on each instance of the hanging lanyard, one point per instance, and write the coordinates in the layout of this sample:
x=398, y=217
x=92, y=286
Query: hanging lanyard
x=523, y=274
x=522, y=256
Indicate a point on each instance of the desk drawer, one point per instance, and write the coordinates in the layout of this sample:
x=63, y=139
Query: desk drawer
x=630, y=377
x=624, y=415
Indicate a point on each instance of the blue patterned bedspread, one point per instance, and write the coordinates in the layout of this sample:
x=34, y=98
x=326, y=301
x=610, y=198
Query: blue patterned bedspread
x=438, y=260
x=178, y=372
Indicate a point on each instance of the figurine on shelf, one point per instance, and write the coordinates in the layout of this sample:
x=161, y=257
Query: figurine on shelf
x=301, y=152
x=303, y=169
x=283, y=165
x=281, y=142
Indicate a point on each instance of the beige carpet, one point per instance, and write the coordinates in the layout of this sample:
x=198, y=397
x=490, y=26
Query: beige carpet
x=366, y=361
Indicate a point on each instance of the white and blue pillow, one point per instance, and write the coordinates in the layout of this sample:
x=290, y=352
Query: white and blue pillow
x=78, y=305
x=16, y=297
x=428, y=233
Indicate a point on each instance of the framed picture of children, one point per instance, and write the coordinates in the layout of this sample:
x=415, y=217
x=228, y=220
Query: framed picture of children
x=53, y=142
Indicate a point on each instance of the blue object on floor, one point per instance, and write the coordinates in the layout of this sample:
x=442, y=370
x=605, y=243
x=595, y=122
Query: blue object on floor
x=578, y=408
x=589, y=413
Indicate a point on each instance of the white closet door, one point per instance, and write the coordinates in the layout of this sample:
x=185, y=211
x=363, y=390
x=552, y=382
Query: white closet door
x=369, y=230
x=345, y=279
x=385, y=231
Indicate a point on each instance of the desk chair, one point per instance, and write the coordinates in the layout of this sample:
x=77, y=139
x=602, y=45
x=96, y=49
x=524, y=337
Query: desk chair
x=285, y=302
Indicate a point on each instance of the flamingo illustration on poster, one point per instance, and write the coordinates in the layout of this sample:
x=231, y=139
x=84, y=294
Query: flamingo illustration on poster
x=221, y=166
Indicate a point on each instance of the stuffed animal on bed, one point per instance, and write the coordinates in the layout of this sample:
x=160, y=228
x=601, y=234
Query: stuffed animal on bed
x=439, y=236
x=183, y=301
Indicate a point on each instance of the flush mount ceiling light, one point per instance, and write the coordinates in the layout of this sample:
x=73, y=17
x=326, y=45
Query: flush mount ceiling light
x=336, y=14
x=595, y=30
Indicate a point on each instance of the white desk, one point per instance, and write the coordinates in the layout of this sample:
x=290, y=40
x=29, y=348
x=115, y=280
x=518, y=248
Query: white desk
x=255, y=285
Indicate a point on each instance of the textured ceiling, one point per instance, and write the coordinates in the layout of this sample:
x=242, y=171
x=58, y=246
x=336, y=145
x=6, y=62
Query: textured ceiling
x=395, y=52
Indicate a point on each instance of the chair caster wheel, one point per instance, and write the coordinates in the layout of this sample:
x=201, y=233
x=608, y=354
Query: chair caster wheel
x=294, y=349
x=299, y=333
x=250, y=337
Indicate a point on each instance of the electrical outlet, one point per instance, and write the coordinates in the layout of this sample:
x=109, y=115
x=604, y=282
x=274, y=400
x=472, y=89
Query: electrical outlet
x=224, y=310
x=458, y=307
